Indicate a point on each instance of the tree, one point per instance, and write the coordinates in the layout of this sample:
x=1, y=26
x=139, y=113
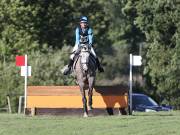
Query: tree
x=159, y=20
x=125, y=38
x=16, y=28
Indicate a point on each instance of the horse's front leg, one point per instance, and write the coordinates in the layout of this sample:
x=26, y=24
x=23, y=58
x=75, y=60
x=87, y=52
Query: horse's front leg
x=84, y=100
x=90, y=92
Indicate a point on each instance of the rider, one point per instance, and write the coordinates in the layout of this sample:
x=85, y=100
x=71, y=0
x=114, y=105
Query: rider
x=84, y=35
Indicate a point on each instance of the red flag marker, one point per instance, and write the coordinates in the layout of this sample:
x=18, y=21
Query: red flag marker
x=20, y=61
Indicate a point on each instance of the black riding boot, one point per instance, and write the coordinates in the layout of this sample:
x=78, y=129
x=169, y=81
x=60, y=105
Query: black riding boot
x=100, y=68
x=68, y=70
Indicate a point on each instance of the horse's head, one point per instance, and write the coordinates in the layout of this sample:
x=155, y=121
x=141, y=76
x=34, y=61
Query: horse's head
x=84, y=53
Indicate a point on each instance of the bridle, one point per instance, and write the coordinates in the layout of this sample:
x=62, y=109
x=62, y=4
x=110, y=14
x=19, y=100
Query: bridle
x=84, y=56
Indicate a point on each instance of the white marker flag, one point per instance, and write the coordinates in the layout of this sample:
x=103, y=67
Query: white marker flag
x=136, y=60
x=23, y=71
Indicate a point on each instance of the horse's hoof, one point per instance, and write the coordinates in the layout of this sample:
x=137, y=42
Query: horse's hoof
x=85, y=115
x=90, y=108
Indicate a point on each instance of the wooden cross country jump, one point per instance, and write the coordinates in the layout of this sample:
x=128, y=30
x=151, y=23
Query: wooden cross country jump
x=55, y=99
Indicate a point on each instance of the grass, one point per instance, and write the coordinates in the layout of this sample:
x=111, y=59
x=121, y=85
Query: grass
x=161, y=123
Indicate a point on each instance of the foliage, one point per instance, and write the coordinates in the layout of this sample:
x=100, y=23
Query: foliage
x=124, y=37
x=16, y=28
x=46, y=70
x=159, y=20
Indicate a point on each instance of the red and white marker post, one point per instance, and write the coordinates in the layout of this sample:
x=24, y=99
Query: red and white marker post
x=21, y=61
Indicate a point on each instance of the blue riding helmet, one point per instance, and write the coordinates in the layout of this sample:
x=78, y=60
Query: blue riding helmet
x=84, y=19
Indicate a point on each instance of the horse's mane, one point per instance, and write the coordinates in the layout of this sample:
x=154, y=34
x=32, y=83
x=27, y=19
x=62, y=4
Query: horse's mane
x=92, y=62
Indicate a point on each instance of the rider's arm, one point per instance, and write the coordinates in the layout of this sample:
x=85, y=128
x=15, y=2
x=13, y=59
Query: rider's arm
x=77, y=36
x=90, y=36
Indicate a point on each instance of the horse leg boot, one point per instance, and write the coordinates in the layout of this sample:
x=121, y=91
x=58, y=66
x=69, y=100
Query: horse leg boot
x=68, y=70
x=100, y=68
x=85, y=106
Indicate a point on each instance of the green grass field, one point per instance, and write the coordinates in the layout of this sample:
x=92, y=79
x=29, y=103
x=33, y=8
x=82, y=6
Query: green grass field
x=162, y=123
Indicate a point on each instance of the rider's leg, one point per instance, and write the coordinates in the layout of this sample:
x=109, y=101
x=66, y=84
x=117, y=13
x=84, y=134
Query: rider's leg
x=71, y=60
x=68, y=69
x=75, y=48
x=100, y=68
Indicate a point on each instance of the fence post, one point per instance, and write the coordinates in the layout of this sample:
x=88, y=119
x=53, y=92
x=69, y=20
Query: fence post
x=20, y=103
x=9, y=104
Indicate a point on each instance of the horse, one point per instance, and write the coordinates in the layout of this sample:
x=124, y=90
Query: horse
x=84, y=68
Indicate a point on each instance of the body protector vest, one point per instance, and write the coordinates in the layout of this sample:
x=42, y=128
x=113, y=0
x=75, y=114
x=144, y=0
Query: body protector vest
x=84, y=39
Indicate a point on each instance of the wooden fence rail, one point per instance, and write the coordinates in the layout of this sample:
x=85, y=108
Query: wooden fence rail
x=54, y=97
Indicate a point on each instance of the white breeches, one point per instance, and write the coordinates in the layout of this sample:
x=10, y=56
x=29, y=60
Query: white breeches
x=75, y=49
